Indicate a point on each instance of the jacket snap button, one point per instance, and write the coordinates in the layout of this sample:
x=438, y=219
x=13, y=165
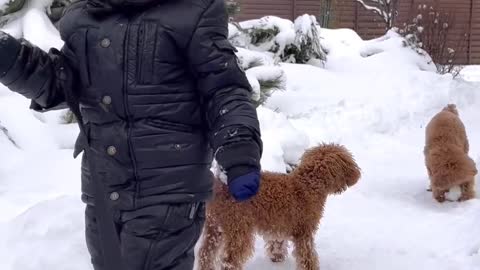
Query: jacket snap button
x=107, y=100
x=111, y=150
x=114, y=196
x=105, y=43
x=178, y=147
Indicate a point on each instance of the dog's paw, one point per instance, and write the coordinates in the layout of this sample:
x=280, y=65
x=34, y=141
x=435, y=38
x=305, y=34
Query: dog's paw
x=466, y=197
x=440, y=198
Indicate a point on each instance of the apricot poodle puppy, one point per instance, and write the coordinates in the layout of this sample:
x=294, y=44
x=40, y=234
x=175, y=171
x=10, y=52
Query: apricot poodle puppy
x=446, y=156
x=287, y=207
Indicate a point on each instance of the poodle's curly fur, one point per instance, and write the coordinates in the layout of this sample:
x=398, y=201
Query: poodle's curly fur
x=287, y=207
x=446, y=155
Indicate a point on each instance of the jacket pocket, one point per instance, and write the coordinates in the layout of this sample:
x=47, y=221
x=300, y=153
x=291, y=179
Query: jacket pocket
x=166, y=125
x=147, y=39
x=80, y=145
x=79, y=44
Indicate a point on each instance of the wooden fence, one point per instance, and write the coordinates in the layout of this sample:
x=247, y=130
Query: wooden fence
x=351, y=14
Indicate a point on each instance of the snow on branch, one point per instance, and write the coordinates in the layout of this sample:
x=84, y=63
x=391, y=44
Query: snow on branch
x=386, y=9
x=373, y=8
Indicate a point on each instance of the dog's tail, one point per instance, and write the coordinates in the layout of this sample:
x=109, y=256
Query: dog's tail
x=451, y=108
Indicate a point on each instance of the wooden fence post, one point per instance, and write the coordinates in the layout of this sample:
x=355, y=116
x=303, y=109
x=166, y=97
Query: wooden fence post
x=294, y=9
x=411, y=11
x=470, y=33
x=356, y=16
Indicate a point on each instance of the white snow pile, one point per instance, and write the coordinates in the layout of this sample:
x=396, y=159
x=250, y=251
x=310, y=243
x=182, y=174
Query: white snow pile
x=374, y=96
x=61, y=218
x=282, y=143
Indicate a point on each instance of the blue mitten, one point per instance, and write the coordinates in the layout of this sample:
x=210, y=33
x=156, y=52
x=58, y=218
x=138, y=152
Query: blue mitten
x=245, y=186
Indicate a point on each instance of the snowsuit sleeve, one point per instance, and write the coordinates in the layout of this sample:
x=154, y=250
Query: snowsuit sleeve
x=33, y=73
x=226, y=94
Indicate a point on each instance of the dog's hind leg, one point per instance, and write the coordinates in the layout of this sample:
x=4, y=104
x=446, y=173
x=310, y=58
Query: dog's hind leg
x=277, y=250
x=468, y=191
x=305, y=253
x=239, y=246
x=212, y=241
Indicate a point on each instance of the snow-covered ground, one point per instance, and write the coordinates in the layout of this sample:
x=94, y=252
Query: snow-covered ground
x=374, y=96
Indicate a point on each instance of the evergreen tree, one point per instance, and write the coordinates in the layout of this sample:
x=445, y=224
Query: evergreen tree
x=13, y=9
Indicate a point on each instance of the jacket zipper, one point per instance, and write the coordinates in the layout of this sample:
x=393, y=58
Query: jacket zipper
x=127, y=112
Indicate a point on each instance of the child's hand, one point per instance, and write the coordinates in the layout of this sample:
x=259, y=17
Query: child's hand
x=245, y=187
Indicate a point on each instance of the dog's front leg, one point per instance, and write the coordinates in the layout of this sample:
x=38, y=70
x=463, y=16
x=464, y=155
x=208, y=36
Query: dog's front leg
x=305, y=253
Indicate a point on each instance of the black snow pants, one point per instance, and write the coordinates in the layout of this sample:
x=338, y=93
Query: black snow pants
x=160, y=237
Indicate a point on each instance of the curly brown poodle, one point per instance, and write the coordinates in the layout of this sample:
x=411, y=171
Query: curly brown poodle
x=446, y=155
x=287, y=207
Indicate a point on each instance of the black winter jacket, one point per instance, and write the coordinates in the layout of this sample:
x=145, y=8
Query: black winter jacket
x=160, y=93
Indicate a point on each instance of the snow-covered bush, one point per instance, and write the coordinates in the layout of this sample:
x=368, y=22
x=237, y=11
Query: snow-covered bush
x=263, y=73
x=306, y=47
x=268, y=34
x=13, y=9
x=432, y=31
x=264, y=81
x=286, y=41
x=265, y=42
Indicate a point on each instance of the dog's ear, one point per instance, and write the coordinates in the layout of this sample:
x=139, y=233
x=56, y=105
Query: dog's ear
x=331, y=167
x=344, y=166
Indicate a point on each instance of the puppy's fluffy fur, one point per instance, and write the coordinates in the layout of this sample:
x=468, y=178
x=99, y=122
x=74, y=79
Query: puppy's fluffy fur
x=446, y=155
x=287, y=207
